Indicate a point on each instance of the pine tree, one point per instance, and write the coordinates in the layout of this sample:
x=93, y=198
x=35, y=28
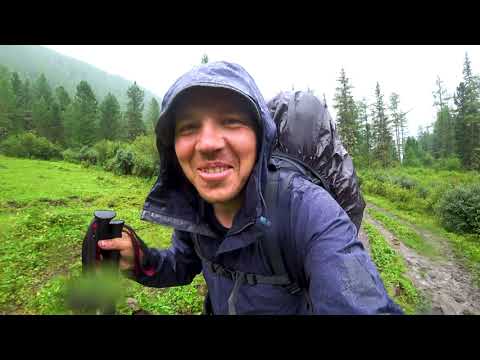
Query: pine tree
x=63, y=98
x=27, y=102
x=84, y=112
x=345, y=106
x=467, y=117
x=444, y=132
x=204, y=59
x=42, y=90
x=19, y=112
x=152, y=115
x=41, y=117
x=382, y=137
x=56, y=132
x=365, y=138
x=135, y=125
x=399, y=124
x=7, y=105
x=109, y=118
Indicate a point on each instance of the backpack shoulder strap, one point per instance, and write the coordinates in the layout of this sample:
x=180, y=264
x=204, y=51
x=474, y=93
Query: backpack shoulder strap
x=276, y=242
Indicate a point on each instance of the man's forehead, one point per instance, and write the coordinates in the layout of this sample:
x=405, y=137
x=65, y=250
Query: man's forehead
x=209, y=98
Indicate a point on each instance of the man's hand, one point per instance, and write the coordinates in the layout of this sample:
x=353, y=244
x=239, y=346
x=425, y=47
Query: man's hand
x=124, y=246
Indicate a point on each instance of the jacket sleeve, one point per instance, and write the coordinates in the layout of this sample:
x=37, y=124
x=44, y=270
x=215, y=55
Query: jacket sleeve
x=177, y=265
x=341, y=277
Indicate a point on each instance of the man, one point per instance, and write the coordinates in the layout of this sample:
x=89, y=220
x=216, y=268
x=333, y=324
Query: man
x=215, y=138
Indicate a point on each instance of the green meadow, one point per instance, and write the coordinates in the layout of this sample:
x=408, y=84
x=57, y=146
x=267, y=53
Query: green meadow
x=45, y=209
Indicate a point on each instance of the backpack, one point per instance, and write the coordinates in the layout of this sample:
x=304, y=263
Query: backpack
x=308, y=140
x=307, y=145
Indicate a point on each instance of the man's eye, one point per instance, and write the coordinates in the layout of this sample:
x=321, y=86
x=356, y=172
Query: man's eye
x=233, y=122
x=187, y=128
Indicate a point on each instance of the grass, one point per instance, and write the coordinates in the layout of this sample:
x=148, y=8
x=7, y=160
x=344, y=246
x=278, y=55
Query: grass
x=392, y=271
x=405, y=234
x=45, y=208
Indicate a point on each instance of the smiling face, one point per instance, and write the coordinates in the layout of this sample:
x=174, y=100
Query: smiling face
x=215, y=142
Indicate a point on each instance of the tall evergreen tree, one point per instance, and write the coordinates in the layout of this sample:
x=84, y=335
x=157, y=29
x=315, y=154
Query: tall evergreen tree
x=204, y=59
x=381, y=130
x=56, y=132
x=467, y=117
x=444, y=133
x=365, y=139
x=345, y=106
x=135, y=125
x=62, y=97
x=42, y=90
x=153, y=114
x=7, y=105
x=109, y=118
x=27, y=102
x=83, y=115
x=41, y=117
x=399, y=124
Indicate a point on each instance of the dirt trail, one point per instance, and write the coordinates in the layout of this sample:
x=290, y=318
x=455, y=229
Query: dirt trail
x=445, y=283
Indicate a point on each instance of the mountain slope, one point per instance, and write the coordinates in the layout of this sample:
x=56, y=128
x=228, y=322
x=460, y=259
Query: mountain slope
x=32, y=60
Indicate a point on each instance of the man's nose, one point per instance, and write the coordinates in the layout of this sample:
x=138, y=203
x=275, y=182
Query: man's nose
x=210, y=138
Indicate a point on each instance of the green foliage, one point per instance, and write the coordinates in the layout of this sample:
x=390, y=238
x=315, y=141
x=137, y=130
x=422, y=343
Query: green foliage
x=106, y=150
x=88, y=156
x=152, y=115
x=71, y=155
x=84, y=115
x=449, y=163
x=459, y=209
x=30, y=145
x=123, y=162
x=109, y=118
x=392, y=270
x=63, y=98
x=382, y=137
x=135, y=125
x=347, y=114
x=405, y=234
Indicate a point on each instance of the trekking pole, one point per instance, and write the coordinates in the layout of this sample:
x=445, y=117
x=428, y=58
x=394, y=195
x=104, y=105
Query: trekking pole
x=96, y=260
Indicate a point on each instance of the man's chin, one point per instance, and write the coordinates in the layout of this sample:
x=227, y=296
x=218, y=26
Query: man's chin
x=215, y=199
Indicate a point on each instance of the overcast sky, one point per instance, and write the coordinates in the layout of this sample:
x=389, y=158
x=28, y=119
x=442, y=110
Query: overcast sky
x=410, y=71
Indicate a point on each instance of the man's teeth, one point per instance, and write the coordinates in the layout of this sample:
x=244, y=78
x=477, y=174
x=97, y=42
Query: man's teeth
x=215, y=170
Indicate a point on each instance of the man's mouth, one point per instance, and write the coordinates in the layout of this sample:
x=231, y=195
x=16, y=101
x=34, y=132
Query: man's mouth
x=215, y=172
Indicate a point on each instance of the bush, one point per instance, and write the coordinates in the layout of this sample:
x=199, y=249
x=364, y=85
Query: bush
x=88, y=156
x=451, y=163
x=29, y=145
x=123, y=162
x=404, y=182
x=71, y=155
x=459, y=209
x=106, y=150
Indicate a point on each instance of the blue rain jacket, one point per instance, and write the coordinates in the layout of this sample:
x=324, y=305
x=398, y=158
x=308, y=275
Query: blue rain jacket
x=340, y=277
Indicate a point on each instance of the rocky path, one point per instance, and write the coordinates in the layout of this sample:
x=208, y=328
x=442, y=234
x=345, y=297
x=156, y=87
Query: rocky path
x=443, y=281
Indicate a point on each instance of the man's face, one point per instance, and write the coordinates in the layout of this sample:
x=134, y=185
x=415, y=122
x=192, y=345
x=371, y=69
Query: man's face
x=215, y=142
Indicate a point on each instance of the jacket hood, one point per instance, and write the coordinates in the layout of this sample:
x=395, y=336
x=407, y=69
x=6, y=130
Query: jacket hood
x=173, y=201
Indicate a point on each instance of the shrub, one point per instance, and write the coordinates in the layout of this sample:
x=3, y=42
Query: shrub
x=123, y=162
x=451, y=163
x=71, y=155
x=30, y=145
x=106, y=150
x=88, y=156
x=459, y=209
x=404, y=182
